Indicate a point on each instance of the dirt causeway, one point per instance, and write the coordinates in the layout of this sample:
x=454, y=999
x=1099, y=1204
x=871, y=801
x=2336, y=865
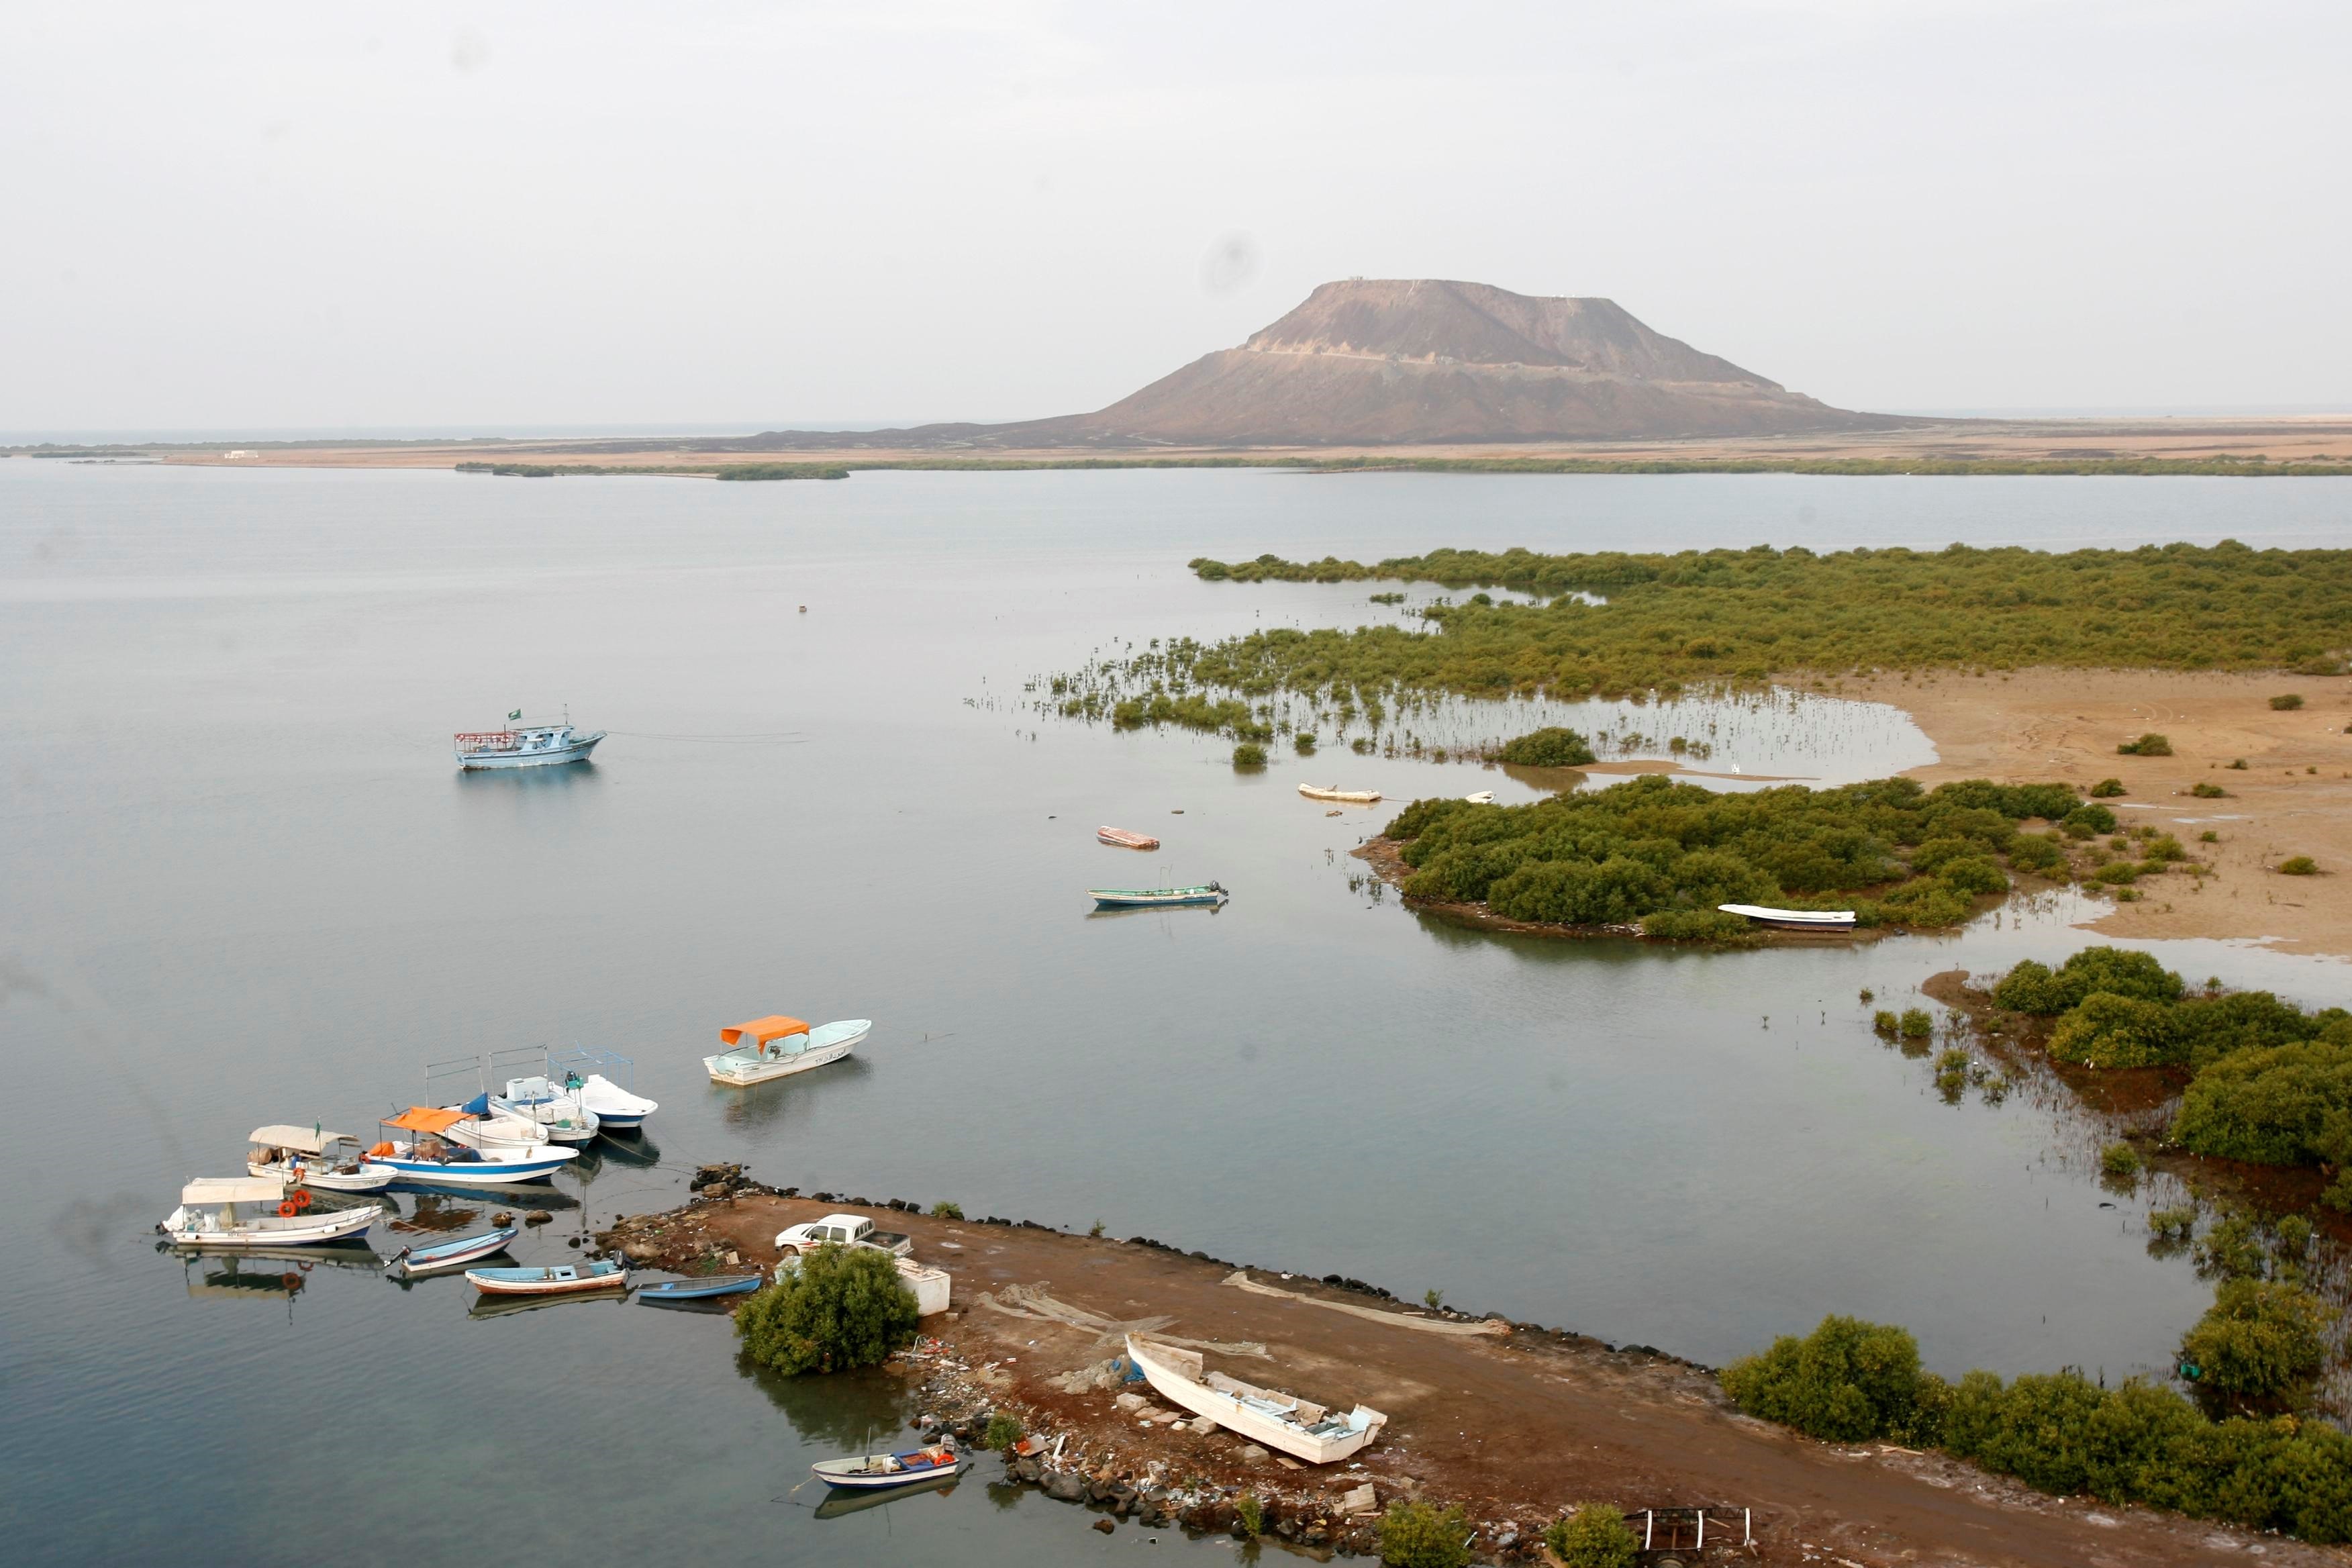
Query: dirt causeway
x=1517, y=1425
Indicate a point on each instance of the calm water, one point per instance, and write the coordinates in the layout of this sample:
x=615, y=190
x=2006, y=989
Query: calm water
x=244, y=884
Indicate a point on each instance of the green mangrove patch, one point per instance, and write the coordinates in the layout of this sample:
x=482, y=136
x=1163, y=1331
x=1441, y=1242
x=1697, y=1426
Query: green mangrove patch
x=1723, y=616
x=1661, y=854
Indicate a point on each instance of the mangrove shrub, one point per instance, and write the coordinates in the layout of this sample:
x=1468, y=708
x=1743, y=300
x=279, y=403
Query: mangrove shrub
x=1594, y=1536
x=842, y=1308
x=2260, y=1345
x=1415, y=1535
x=1547, y=748
x=1848, y=1381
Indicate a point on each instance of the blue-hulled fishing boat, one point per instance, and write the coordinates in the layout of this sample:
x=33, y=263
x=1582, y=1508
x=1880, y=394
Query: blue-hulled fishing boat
x=411, y=1261
x=1210, y=893
x=669, y=1290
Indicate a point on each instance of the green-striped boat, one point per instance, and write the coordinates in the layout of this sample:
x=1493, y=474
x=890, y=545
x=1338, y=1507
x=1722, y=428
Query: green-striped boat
x=1155, y=898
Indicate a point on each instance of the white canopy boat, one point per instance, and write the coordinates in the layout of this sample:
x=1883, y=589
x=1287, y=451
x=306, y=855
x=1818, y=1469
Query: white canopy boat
x=314, y=1157
x=605, y=1083
x=778, y=1046
x=255, y=1211
x=1793, y=920
x=556, y=1112
x=1282, y=1421
x=429, y=1154
x=1349, y=796
x=524, y=745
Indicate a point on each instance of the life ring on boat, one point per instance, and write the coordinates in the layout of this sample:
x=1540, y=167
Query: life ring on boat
x=292, y=1280
x=286, y=1210
x=301, y=1198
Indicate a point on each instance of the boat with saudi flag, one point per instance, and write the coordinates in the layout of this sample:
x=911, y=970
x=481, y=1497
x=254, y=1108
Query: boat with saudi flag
x=537, y=744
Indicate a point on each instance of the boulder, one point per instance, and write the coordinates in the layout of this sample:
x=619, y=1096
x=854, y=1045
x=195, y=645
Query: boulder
x=642, y=1251
x=1130, y=1401
x=1105, y=1525
x=1029, y=1471
x=537, y=1216
x=1252, y=1454
x=716, y=1190
x=1202, y=1424
x=1064, y=1485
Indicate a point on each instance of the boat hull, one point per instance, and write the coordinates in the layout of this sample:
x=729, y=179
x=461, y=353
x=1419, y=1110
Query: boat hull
x=560, y=1279
x=1142, y=898
x=1793, y=920
x=371, y=1177
x=554, y=756
x=1234, y=1415
x=306, y=1229
x=699, y=1290
x=414, y=1262
x=1344, y=796
x=490, y=1170
x=861, y=1474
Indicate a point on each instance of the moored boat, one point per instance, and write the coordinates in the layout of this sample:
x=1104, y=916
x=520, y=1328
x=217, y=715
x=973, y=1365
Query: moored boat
x=522, y=745
x=777, y=1047
x=314, y=1157
x=411, y=1261
x=605, y=1082
x=429, y=1154
x=1793, y=920
x=1121, y=838
x=1350, y=796
x=667, y=1291
x=486, y=1125
x=556, y=1112
x=549, y=1280
x=1296, y=1427
x=1156, y=897
x=868, y=1472
x=1483, y=797
x=258, y=1210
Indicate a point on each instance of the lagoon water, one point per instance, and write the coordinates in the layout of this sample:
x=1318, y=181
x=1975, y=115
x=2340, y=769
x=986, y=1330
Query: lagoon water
x=244, y=883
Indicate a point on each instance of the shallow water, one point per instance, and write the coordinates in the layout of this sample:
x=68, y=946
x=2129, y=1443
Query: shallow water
x=244, y=885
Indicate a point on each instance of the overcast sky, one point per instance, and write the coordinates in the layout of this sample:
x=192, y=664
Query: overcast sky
x=487, y=217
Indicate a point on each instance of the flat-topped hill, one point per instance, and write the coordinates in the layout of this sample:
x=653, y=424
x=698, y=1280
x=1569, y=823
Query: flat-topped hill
x=1393, y=362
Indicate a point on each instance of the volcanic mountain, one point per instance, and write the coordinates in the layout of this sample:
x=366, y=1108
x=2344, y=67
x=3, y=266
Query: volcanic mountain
x=1418, y=362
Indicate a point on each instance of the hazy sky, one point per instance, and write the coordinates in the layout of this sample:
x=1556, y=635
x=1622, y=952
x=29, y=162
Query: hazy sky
x=489, y=216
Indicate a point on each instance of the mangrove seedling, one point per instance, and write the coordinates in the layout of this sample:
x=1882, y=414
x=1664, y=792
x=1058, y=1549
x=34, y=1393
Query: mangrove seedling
x=1415, y=1535
x=2173, y=1224
x=1249, y=756
x=947, y=1209
x=1096, y=1230
x=1003, y=1430
x=1433, y=1300
x=1916, y=1024
x=1885, y=1022
x=1594, y=1536
x=1251, y=1513
x=1304, y=742
x=2119, y=1159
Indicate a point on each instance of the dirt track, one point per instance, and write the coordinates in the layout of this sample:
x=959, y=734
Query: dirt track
x=1517, y=1428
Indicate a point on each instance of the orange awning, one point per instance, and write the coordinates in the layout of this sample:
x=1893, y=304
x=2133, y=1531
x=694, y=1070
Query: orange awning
x=773, y=1027
x=424, y=1118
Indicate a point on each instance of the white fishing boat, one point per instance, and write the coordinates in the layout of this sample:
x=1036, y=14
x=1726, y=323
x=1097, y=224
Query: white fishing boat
x=524, y=745
x=1296, y=1427
x=314, y=1157
x=428, y=1154
x=605, y=1083
x=872, y=1472
x=1349, y=796
x=488, y=1126
x=778, y=1046
x=1793, y=920
x=258, y=1210
x=556, y=1112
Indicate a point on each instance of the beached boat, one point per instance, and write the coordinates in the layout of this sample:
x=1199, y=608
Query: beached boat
x=1352, y=796
x=1484, y=797
x=557, y=1111
x=258, y=1210
x=1281, y=1421
x=1156, y=897
x=1793, y=920
x=869, y=1472
x=314, y=1157
x=521, y=745
x=549, y=1280
x=411, y=1261
x=1119, y=838
x=429, y=1154
x=605, y=1083
x=665, y=1291
x=778, y=1046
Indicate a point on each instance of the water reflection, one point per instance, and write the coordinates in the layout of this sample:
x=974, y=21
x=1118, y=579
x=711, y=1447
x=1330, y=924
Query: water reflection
x=837, y=1503
x=847, y=1412
x=789, y=1101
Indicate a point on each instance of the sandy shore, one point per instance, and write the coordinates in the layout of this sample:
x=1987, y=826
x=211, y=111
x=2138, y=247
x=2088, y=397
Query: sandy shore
x=1516, y=1425
x=2294, y=796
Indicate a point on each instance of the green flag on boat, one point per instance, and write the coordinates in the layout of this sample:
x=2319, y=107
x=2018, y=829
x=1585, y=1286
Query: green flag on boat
x=515, y=714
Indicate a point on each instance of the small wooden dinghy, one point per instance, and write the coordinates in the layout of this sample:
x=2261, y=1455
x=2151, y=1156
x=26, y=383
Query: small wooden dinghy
x=1283, y=1421
x=1121, y=838
x=549, y=1280
x=1793, y=920
x=669, y=1290
x=1352, y=796
x=868, y=1472
x=456, y=1253
x=1156, y=897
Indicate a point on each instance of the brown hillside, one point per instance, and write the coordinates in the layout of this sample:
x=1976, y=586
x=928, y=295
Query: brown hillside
x=1380, y=362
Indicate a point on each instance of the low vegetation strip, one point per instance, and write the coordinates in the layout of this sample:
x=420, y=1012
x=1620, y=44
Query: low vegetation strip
x=694, y=470
x=1723, y=615
x=1849, y=1382
x=1662, y=855
x=1857, y=466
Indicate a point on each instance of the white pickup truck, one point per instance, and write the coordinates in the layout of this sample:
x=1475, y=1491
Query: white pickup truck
x=843, y=1230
